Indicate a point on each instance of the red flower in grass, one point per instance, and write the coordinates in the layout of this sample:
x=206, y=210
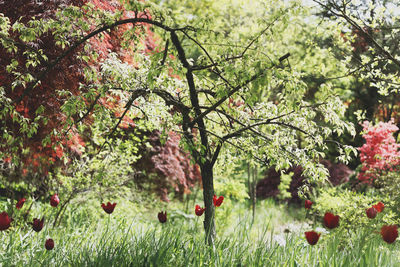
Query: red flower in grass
x=49, y=245
x=109, y=208
x=371, y=212
x=20, y=203
x=162, y=217
x=198, y=210
x=308, y=204
x=218, y=201
x=312, y=237
x=389, y=233
x=331, y=221
x=5, y=221
x=37, y=225
x=379, y=207
x=54, y=200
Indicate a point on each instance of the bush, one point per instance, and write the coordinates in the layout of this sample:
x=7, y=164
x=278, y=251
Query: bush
x=351, y=207
x=380, y=153
x=388, y=186
x=167, y=168
x=269, y=186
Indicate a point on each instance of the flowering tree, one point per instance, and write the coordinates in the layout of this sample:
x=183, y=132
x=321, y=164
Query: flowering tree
x=210, y=99
x=380, y=151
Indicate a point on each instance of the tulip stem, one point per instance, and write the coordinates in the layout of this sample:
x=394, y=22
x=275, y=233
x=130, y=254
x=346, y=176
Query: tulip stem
x=63, y=206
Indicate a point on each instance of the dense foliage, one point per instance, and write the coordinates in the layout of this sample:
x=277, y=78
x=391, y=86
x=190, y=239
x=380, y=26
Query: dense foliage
x=114, y=105
x=166, y=166
x=52, y=140
x=380, y=153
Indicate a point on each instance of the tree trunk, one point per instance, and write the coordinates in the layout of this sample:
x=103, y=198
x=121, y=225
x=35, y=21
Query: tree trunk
x=252, y=186
x=208, y=193
x=254, y=193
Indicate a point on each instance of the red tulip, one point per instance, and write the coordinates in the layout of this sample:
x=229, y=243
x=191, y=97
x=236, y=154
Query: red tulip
x=54, y=200
x=379, y=207
x=20, y=203
x=37, y=225
x=162, y=217
x=312, y=237
x=49, y=245
x=331, y=221
x=371, y=212
x=308, y=204
x=198, y=210
x=218, y=201
x=5, y=221
x=389, y=233
x=109, y=208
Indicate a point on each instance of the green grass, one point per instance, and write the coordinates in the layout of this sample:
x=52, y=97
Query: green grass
x=138, y=241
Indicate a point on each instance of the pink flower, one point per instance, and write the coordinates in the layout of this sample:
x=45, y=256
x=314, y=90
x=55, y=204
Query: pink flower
x=380, y=151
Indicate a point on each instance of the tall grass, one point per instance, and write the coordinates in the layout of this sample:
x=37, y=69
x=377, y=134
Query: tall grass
x=113, y=241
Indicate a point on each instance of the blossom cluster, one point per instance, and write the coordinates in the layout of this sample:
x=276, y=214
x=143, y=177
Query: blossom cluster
x=380, y=151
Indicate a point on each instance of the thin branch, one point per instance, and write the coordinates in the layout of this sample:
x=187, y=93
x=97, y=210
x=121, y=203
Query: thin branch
x=215, y=64
x=165, y=53
x=291, y=126
x=220, y=101
x=134, y=95
x=214, y=158
x=342, y=13
x=84, y=115
x=259, y=35
x=208, y=92
x=201, y=47
x=51, y=65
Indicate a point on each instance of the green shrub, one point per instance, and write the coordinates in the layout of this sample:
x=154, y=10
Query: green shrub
x=351, y=207
x=388, y=185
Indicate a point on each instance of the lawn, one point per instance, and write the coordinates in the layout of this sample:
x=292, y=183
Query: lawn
x=276, y=238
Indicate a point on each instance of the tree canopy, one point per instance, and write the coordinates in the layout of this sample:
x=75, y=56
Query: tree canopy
x=234, y=83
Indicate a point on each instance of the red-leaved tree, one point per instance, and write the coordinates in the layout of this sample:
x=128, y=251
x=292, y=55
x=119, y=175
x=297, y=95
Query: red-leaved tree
x=30, y=158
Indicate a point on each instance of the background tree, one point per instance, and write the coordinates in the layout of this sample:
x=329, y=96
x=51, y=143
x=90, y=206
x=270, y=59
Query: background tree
x=372, y=28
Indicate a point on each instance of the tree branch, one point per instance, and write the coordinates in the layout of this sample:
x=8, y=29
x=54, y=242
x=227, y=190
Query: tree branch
x=342, y=13
x=84, y=115
x=51, y=65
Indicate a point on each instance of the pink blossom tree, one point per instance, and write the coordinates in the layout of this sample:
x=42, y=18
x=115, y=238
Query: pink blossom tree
x=380, y=151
